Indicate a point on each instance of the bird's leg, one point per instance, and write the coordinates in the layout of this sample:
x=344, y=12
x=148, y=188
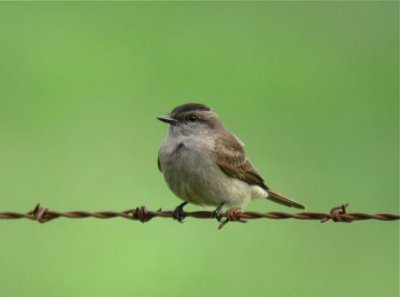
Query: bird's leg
x=177, y=214
x=218, y=213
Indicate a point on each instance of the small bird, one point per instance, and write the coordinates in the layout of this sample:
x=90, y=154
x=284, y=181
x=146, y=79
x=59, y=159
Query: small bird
x=205, y=164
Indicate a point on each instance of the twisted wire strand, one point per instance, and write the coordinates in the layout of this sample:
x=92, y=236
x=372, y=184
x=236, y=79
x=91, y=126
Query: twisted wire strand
x=337, y=214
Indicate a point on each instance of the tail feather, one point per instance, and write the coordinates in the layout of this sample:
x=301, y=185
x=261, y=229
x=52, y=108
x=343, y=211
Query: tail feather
x=281, y=199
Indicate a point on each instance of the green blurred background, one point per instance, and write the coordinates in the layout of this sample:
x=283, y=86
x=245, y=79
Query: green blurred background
x=310, y=87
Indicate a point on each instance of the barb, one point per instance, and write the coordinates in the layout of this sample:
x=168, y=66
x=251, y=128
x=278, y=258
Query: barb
x=142, y=214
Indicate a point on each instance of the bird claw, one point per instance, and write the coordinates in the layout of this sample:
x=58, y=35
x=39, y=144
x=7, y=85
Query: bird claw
x=178, y=213
x=218, y=213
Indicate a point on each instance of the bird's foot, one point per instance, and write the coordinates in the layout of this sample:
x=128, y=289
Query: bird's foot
x=218, y=213
x=178, y=214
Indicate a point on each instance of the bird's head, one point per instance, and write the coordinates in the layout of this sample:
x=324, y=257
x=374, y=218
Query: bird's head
x=191, y=119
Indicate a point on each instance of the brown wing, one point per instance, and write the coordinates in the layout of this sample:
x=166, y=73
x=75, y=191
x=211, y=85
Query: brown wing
x=232, y=159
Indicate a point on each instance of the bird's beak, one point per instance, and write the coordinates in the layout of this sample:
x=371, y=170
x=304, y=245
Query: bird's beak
x=167, y=119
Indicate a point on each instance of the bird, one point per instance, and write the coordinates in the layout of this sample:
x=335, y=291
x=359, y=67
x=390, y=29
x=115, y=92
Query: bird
x=203, y=163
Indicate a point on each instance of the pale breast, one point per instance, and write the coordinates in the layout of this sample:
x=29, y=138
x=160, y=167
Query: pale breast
x=191, y=172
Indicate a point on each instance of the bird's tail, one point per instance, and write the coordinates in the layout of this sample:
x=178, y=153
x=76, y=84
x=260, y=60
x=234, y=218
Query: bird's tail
x=281, y=199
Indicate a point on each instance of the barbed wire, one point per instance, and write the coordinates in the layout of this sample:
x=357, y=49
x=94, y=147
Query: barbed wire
x=42, y=214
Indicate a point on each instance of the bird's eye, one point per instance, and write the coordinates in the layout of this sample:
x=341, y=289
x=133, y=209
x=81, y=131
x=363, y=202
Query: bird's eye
x=193, y=118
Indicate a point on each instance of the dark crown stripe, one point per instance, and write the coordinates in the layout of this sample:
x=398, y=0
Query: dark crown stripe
x=189, y=107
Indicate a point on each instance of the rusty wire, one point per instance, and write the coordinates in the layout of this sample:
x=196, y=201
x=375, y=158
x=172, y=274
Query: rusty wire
x=142, y=214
